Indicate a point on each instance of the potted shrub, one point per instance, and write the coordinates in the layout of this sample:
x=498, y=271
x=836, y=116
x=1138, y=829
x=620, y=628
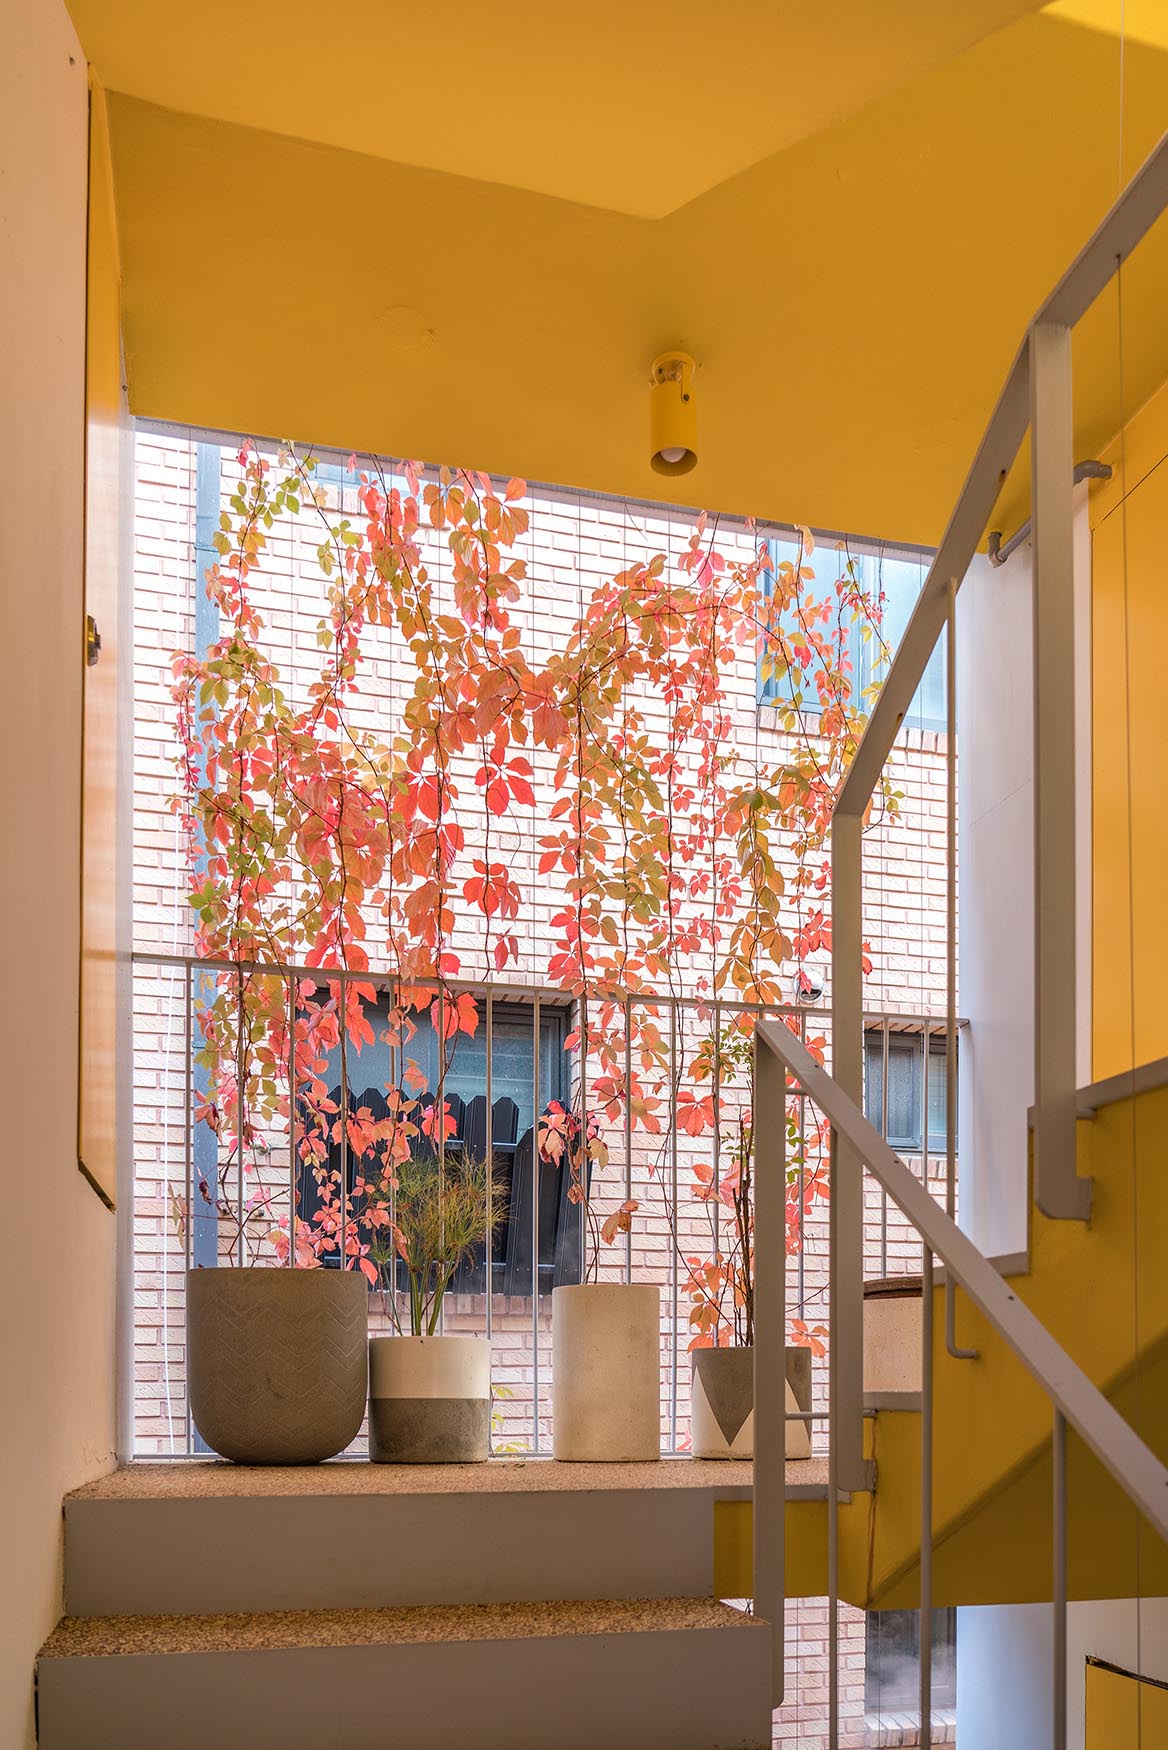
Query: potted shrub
x=721, y=1286
x=430, y=1394
x=277, y=1358
x=606, y=1336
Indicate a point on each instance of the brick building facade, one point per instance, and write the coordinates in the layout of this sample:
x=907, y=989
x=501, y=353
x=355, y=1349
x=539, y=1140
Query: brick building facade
x=574, y=541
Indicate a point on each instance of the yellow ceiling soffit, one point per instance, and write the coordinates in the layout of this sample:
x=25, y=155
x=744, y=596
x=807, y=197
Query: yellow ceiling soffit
x=853, y=303
x=635, y=108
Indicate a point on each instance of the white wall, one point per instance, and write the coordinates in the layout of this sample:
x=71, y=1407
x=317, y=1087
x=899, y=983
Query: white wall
x=996, y=897
x=1004, y=1651
x=57, y=1268
x=1004, y=1654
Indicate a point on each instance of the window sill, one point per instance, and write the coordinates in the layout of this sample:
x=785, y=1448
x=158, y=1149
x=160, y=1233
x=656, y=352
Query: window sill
x=899, y=1731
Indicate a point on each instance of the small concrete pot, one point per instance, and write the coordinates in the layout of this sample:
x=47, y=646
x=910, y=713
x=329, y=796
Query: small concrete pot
x=722, y=1403
x=892, y=1336
x=429, y=1400
x=277, y=1361
x=606, y=1372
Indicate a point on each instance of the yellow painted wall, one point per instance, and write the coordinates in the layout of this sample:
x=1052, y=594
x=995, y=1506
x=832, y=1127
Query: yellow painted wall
x=57, y=1277
x=1129, y=516
x=1123, y=1712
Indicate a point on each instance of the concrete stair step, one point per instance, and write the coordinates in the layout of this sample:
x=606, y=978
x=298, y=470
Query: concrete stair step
x=629, y=1674
x=191, y=1538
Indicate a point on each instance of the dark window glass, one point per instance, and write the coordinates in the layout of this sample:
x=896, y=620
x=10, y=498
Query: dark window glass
x=892, y=1672
x=904, y=1089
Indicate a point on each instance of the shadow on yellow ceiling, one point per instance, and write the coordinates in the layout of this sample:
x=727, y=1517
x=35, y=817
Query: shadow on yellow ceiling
x=852, y=299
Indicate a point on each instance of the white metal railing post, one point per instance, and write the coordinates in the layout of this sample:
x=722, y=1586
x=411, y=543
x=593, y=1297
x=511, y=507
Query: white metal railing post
x=769, y=1121
x=1059, y=1590
x=833, y=1495
x=1058, y=1189
x=926, y=1567
x=846, y=1207
x=951, y=1345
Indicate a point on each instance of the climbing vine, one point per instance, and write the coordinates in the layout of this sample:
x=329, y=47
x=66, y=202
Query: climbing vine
x=348, y=869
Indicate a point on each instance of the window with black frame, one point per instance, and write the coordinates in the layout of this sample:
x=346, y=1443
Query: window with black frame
x=523, y=1173
x=907, y=1061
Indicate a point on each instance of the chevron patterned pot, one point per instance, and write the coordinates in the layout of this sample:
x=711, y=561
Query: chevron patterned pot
x=429, y=1400
x=277, y=1361
x=722, y=1403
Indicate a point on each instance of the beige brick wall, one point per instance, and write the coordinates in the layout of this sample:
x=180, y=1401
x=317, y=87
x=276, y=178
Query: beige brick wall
x=573, y=543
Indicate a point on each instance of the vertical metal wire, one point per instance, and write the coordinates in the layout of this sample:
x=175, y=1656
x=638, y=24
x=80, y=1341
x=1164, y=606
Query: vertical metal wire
x=674, y=1282
x=291, y=1000
x=240, y=1104
x=394, y=1087
x=926, y=1036
x=926, y=1616
x=717, y=1125
x=628, y=1135
x=438, y=1109
x=344, y=1125
x=585, y=1183
x=189, y=1150
x=535, y=1158
x=884, y=1134
x=802, y=1185
x=1059, y=1605
x=833, y=1716
x=489, y=1242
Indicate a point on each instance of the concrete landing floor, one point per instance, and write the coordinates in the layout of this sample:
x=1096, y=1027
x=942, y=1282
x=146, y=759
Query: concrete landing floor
x=190, y=1479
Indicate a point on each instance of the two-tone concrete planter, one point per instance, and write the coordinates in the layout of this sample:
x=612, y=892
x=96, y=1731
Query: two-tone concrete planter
x=429, y=1400
x=277, y=1361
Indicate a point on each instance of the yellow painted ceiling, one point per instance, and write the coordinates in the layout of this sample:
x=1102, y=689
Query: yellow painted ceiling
x=853, y=300
x=633, y=105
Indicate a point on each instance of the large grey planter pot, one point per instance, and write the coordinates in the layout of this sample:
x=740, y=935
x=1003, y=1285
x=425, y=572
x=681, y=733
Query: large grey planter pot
x=429, y=1400
x=277, y=1361
x=722, y=1403
x=606, y=1372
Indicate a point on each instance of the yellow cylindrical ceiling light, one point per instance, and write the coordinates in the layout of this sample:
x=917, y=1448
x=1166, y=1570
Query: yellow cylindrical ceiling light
x=673, y=415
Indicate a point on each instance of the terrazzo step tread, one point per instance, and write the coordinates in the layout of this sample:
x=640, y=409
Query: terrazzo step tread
x=104, y=1637
x=364, y=1536
x=633, y=1674
x=184, y=1479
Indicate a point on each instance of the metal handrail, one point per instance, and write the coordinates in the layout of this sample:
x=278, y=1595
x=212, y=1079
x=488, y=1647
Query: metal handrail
x=1114, y=1442
x=1036, y=394
x=779, y=1055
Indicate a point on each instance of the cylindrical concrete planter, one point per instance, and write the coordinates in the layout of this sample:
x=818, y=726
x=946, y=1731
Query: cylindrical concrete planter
x=429, y=1400
x=722, y=1403
x=606, y=1372
x=277, y=1361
